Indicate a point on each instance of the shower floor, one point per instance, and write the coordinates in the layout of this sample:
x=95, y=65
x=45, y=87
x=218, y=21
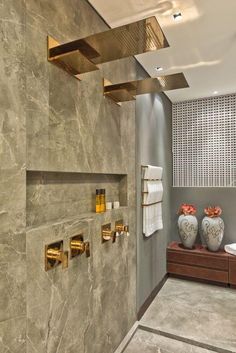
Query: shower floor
x=188, y=317
x=148, y=342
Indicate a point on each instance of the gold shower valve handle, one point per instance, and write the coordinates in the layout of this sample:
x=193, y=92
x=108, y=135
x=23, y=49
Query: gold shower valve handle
x=78, y=245
x=121, y=228
x=58, y=255
x=107, y=234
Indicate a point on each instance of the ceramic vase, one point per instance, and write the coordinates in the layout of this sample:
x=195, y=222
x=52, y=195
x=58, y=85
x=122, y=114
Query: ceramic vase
x=213, y=232
x=188, y=228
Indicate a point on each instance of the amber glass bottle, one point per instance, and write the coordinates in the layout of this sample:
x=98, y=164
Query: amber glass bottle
x=103, y=200
x=98, y=200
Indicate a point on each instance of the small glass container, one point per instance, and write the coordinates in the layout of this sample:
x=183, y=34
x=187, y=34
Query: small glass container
x=98, y=200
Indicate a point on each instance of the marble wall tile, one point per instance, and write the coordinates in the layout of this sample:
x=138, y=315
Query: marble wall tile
x=114, y=300
x=53, y=196
x=12, y=117
x=70, y=127
x=12, y=178
x=59, y=302
x=13, y=335
x=85, y=306
x=73, y=133
x=12, y=275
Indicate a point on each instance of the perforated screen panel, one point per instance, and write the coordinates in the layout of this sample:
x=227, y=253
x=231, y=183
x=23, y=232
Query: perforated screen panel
x=204, y=142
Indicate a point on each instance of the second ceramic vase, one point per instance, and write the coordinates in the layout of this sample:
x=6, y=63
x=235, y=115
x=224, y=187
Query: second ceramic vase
x=213, y=232
x=213, y=228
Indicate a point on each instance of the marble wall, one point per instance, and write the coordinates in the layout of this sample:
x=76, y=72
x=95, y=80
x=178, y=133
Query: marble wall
x=56, y=195
x=12, y=178
x=72, y=133
x=59, y=140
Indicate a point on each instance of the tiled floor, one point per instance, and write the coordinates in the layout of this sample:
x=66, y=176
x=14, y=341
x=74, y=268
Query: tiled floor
x=147, y=342
x=199, y=313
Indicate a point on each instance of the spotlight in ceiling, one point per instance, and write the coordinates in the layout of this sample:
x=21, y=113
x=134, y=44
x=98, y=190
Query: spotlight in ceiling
x=177, y=16
x=215, y=92
x=158, y=68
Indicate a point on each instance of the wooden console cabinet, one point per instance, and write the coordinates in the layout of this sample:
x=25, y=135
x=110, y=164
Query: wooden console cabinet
x=201, y=264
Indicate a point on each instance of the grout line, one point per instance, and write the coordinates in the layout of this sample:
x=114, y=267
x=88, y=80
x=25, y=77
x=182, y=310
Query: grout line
x=183, y=339
x=137, y=326
x=125, y=342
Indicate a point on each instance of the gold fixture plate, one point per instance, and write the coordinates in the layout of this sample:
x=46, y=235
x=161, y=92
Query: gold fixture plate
x=106, y=232
x=148, y=85
x=119, y=226
x=54, y=256
x=82, y=55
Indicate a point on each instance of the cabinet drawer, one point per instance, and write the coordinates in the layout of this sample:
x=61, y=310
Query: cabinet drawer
x=198, y=272
x=232, y=271
x=209, y=261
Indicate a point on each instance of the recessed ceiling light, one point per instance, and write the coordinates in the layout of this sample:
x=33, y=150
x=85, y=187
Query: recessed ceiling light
x=215, y=92
x=159, y=68
x=177, y=16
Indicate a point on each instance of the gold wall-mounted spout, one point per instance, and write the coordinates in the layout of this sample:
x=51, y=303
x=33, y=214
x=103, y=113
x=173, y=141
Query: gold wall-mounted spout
x=54, y=256
x=84, y=54
x=78, y=246
x=127, y=91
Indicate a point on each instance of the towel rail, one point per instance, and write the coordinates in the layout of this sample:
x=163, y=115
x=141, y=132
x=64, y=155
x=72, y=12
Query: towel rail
x=150, y=204
x=152, y=217
x=151, y=179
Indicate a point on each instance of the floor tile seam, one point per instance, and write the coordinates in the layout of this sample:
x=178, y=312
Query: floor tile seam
x=128, y=338
x=182, y=339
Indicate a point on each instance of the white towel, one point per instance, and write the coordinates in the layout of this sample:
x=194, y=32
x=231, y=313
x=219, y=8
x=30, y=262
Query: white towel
x=152, y=219
x=154, y=191
x=231, y=248
x=151, y=172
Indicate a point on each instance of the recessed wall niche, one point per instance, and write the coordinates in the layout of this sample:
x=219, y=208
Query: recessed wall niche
x=53, y=196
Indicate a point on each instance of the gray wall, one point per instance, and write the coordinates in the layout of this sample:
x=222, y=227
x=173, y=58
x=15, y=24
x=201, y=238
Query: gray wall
x=153, y=146
x=207, y=109
x=202, y=197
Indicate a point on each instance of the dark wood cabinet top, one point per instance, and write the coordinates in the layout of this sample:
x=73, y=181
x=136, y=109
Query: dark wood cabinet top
x=198, y=250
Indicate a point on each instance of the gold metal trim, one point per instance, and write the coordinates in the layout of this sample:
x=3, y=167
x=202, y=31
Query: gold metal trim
x=106, y=232
x=126, y=91
x=82, y=55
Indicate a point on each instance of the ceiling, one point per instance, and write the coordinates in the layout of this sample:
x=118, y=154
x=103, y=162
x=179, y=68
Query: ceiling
x=202, y=44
